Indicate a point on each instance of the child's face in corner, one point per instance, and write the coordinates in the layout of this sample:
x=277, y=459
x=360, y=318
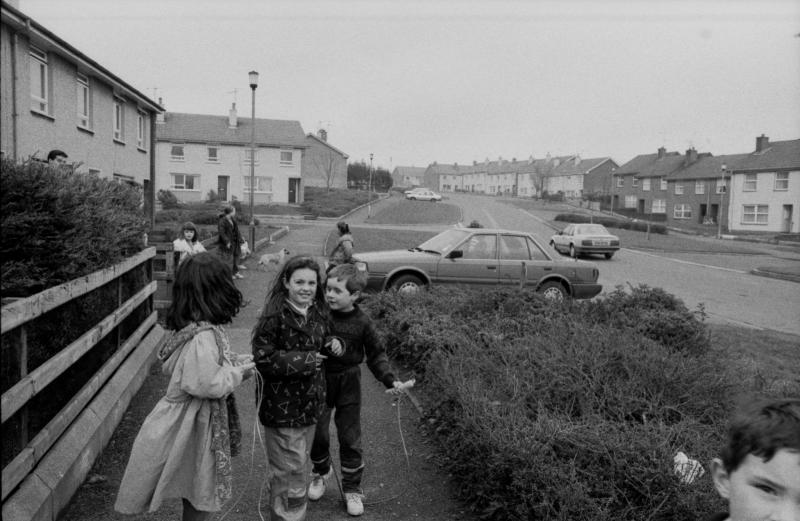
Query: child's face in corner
x=761, y=490
x=301, y=286
x=338, y=297
x=188, y=234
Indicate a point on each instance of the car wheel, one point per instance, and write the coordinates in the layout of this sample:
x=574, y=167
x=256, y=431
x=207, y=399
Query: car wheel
x=412, y=198
x=407, y=284
x=572, y=252
x=554, y=291
x=609, y=255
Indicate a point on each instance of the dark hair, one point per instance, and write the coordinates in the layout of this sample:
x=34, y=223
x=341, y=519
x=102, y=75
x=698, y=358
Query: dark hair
x=203, y=290
x=192, y=227
x=343, y=227
x=227, y=210
x=355, y=279
x=278, y=292
x=762, y=428
x=56, y=153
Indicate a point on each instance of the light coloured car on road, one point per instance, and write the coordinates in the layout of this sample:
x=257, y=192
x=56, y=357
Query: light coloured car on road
x=481, y=256
x=415, y=190
x=581, y=238
x=424, y=195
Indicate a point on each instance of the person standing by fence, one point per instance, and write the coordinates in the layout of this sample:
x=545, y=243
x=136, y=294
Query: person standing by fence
x=188, y=243
x=229, y=246
x=184, y=447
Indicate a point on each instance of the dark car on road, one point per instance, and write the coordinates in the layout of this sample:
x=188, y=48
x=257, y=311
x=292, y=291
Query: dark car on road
x=481, y=256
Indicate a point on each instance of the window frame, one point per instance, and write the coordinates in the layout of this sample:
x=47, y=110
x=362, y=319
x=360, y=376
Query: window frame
x=784, y=181
x=620, y=182
x=633, y=199
x=658, y=206
x=173, y=156
x=258, y=179
x=664, y=185
x=646, y=184
x=699, y=187
x=750, y=179
x=84, y=99
x=721, y=187
x=247, y=156
x=290, y=161
x=215, y=159
x=195, y=183
x=40, y=101
x=756, y=213
x=634, y=181
x=118, y=120
x=684, y=209
x=678, y=188
x=141, y=129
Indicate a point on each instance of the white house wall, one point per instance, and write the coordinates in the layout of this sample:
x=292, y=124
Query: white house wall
x=765, y=194
x=231, y=162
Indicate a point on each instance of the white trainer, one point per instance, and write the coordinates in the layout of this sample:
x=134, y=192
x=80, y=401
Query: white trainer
x=318, y=485
x=355, y=507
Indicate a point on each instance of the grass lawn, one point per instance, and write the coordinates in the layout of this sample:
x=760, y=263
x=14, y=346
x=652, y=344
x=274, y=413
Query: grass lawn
x=401, y=211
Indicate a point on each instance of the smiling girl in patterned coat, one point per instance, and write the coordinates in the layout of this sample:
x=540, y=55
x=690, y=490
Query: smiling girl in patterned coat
x=287, y=341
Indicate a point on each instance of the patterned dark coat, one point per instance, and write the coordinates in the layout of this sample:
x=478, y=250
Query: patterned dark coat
x=285, y=345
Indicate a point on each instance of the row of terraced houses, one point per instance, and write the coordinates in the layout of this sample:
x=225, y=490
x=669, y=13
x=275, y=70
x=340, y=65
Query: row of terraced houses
x=53, y=96
x=756, y=191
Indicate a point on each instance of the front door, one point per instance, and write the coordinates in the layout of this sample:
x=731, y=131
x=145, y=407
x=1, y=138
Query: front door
x=787, y=217
x=641, y=206
x=222, y=187
x=294, y=190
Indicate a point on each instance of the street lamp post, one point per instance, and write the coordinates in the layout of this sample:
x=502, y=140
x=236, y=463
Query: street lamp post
x=369, y=188
x=724, y=189
x=253, y=75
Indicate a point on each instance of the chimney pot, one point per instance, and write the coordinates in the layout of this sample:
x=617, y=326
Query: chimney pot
x=323, y=134
x=762, y=143
x=662, y=152
x=233, y=120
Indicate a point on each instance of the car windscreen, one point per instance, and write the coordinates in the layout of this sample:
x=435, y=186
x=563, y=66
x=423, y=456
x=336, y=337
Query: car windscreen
x=587, y=229
x=445, y=241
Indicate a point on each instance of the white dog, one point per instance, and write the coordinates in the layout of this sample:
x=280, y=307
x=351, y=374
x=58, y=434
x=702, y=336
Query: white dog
x=277, y=258
x=245, y=250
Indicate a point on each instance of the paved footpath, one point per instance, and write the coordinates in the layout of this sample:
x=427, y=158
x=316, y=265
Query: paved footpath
x=395, y=489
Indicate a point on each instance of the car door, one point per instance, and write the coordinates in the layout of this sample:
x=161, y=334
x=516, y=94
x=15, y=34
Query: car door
x=562, y=240
x=521, y=258
x=477, y=264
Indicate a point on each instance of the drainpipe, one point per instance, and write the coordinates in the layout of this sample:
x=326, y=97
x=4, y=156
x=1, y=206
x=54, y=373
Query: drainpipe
x=14, y=112
x=153, y=172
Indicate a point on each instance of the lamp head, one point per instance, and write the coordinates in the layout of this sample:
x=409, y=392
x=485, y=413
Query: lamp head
x=253, y=75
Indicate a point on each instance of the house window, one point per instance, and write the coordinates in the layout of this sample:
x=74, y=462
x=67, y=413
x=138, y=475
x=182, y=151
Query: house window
x=262, y=184
x=659, y=206
x=755, y=214
x=749, y=183
x=176, y=153
x=781, y=181
x=141, y=130
x=620, y=182
x=248, y=155
x=682, y=211
x=646, y=184
x=630, y=201
x=699, y=187
x=213, y=155
x=286, y=158
x=678, y=188
x=84, y=101
x=40, y=91
x=119, y=120
x=185, y=182
x=635, y=181
x=721, y=186
x=663, y=183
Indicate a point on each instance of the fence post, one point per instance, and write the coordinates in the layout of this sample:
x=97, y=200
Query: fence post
x=23, y=372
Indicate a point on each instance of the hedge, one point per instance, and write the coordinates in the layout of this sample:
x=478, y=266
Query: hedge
x=611, y=222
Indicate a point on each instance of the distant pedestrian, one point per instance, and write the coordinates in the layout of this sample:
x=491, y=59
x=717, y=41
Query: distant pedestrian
x=287, y=344
x=229, y=245
x=358, y=339
x=188, y=243
x=343, y=251
x=184, y=447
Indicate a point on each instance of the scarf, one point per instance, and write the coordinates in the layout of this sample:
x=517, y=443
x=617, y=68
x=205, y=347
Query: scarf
x=226, y=432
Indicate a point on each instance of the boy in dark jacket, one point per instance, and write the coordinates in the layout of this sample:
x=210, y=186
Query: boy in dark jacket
x=358, y=337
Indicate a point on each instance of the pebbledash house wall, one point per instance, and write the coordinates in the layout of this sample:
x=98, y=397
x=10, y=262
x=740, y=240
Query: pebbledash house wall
x=25, y=132
x=231, y=164
x=765, y=194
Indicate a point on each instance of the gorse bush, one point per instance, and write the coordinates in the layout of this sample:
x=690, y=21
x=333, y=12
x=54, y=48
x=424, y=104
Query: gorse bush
x=570, y=411
x=59, y=225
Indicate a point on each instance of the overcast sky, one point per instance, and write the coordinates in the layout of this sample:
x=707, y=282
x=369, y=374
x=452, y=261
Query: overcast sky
x=460, y=81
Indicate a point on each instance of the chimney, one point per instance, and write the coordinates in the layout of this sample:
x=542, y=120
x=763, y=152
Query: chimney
x=474, y=163
x=662, y=152
x=160, y=115
x=762, y=143
x=691, y=157
x=577, y=160
x=322, y=134
x=232, y=119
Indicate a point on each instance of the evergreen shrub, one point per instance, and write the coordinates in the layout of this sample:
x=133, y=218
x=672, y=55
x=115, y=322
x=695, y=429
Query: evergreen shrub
x=571, y=411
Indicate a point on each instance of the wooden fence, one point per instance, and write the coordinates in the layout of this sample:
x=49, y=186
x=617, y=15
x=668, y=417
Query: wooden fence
x=41, y=478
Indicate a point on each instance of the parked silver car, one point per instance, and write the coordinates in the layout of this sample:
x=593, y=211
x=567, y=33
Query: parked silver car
x=481, y=256
x=577, y=239
x=424, y=195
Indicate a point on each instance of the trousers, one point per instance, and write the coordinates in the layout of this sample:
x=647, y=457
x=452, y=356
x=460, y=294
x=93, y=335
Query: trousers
x=343, y=397
x=289, y=471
